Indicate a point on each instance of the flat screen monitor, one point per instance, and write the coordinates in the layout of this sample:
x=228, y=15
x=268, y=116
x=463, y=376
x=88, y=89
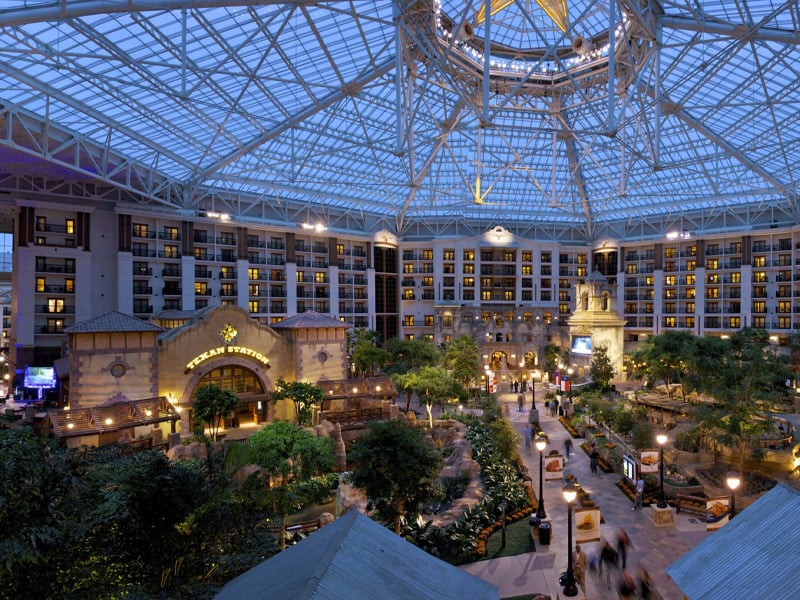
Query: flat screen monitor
x=40, y=377
x=582, y=344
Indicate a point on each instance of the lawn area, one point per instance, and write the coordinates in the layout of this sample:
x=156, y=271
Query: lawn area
x=518, y=540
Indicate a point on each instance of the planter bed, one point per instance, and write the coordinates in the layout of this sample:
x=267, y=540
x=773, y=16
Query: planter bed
x=629, y=490
x=568, y=426
x=601, y=462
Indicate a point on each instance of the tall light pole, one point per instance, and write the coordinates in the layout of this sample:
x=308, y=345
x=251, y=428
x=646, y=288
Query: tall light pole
x=533, y=390
x=661, y=439
x=733, y=482
x=541, y=444
x=570, y=588
x=570, y=371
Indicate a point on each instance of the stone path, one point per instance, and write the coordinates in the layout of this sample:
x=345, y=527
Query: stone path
x=537, y=572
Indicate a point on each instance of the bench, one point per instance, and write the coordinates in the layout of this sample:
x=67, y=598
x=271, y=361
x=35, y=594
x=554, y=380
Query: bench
x=693, y=504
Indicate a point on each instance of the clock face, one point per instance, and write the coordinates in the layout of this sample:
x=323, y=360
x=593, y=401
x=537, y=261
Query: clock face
x=228, y=333
x=118, y=370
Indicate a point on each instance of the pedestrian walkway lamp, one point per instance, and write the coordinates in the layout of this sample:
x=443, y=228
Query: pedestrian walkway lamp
x=661, y=439
x=570, y=587
x=733, y=482
x=541, y=444
x=570, y=371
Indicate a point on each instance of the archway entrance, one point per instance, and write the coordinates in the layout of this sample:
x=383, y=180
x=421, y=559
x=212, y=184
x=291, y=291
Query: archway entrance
x=243, y=382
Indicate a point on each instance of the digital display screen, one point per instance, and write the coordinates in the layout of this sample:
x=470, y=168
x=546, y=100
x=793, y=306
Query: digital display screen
x=40, y=377
x=582, y=345
x=629, y=468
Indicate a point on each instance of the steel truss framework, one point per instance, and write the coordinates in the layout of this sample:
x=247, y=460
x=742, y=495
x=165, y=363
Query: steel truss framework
x=415, y=117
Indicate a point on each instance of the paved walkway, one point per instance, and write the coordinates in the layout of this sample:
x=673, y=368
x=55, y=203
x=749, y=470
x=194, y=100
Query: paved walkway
x=537, y=572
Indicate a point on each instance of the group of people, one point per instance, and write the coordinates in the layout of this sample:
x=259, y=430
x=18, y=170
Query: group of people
x=519, y=386
x=552, y=405
x=611, y=568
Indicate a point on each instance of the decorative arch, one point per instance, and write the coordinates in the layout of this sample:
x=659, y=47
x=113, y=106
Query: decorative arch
x=215, y=363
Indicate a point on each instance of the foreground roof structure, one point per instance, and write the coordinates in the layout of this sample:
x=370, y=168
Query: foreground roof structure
x=355, y=557
x=567, y=121
x=750, y=556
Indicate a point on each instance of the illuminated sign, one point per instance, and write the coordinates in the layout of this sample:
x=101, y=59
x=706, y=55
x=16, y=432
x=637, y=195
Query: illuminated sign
x=223, y=350
x=629, y=467
x=228, y=334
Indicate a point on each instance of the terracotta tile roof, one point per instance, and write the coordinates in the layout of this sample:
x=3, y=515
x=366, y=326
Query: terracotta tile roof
x=309, y=320
x=111, y=417
x=110, y=322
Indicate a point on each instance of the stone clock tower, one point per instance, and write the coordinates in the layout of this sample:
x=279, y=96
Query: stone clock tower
x=595, y=322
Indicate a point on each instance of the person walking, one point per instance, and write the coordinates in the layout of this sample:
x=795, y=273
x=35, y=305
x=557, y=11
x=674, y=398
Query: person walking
x=637, y=501
x=581, y=562
x=554, y=407
x=521, y=402
x=567, y=447
x=627, y=587
x=645, y=584
x=528, y=435
x=593, y=456
x=623, y=544
x=609, y=559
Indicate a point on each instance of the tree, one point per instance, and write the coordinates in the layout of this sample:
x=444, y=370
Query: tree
x=364, y=352
x=81, y=523
x=290, y=456
x=667, y=357
x=34, y=488
x=750, y=377
x=397, y=467
x=406, y=383
x=552, y=356
x=601, y=369
x=462, y=357
x=705, y=355
x=286, y=450
x=305, y=396
x=435, y=384
x=406, y=355
x=212, y=404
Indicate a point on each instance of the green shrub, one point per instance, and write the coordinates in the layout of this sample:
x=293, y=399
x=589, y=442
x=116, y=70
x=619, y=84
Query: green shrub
x=642, y=436
x=624, y=420
x=688, y=441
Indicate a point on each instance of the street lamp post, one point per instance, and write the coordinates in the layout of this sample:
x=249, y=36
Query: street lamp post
x=541, y=443
x=661, y=439
x=733, y=482
x=533, y=391
x=570, y=587
x=570, y=371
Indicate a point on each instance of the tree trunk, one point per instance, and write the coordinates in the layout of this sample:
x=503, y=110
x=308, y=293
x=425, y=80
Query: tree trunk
x=401, y=510
x=283, y=531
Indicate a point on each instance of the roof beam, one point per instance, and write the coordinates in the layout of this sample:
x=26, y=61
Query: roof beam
x=69, y=9
x=293, y=120
x=736, y=31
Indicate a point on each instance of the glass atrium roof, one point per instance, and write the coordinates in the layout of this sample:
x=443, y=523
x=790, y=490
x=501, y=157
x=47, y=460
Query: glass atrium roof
x=561, y=120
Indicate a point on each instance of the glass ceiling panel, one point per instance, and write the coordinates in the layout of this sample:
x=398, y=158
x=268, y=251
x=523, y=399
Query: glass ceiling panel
x=311, y=104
